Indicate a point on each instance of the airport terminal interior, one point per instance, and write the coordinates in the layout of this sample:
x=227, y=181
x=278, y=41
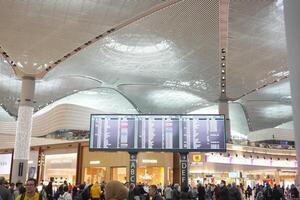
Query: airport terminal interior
x=158, y=95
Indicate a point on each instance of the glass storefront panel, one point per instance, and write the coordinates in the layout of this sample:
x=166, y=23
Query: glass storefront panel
x=119, y=174
x=62, y=167
x=5, y=164
x=150, y=175
x=94, y=174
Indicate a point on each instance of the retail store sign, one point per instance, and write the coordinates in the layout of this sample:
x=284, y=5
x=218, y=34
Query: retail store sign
x=5, y=162
x=149, y=161
x=234, y=174
x=94, y=162
x=218, y=159
x=197, y=158
x=133, y=166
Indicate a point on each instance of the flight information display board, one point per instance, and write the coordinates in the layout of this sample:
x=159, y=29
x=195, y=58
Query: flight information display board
x=158, y=132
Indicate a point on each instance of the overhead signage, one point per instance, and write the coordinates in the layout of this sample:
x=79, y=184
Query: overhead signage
x=5, y=163
x=184, y=169
x=197, y=158
x=234, y=174
x=133, y=168
x=158, y=132
x=251, y=161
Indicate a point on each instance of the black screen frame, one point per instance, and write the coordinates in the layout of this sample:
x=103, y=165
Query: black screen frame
x=157, y=149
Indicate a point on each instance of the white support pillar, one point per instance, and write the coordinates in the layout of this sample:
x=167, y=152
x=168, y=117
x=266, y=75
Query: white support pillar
x=292, y=27
x=23, y=133
x=224, y=109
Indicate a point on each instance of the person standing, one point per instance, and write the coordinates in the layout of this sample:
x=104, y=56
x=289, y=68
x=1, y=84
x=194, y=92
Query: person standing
x=131, y=192
x=49, y=191
x=176, y=192
x=248, y=193
x=19, y=185
x=66, y=195
x=4, y=192
x=31, y=191
x=224, y=193
x=294, y=192
x=153, y=193
x=95, y=191
x=168, y=192
x=201, y=192
x=234, y=192
x=115, y=190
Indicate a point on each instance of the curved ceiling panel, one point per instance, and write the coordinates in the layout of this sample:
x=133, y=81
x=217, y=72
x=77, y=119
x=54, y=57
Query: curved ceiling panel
x=4, y=116
x=46, y=30
x=279, y=92
x=105, y=99
x=256, y=45
x=10, y=89
x=238, y=121
x=176, y=45
x=152, y=99
x=268, y=114
x=5, y=68
x=270, y=106
x=48, y=91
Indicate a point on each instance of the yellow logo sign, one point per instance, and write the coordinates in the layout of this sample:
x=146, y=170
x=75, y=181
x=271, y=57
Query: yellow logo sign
x=197, y=158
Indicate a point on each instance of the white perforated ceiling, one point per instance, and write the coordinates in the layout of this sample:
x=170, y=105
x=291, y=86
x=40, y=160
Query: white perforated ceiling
x=176, y=44
x=153, y=99
x=256, y=45
x=269, y=106
x=165, y=62
x=37, y=33
x=103, y=99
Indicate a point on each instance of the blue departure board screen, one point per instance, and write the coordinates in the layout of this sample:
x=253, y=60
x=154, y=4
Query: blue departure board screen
x=158, y=132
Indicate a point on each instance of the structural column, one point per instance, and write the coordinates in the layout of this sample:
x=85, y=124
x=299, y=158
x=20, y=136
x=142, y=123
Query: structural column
x=292, y=27
x=224, y=109
x=133, y=167
x=23, y=133
x=184, y=181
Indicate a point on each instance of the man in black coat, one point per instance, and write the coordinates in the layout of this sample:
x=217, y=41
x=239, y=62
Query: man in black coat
x=201, y=192
x=224, y=193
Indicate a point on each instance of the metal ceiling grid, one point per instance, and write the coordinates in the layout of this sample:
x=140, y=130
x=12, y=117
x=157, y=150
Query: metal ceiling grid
x=45, y=30
x=177, y=43
x=9, y=88
x=256, y=45
x=106, y=100
x=153, y=99
x=269, y=106
x=48, y=91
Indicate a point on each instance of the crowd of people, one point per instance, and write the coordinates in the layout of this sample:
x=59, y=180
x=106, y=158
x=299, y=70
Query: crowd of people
x=115, y=190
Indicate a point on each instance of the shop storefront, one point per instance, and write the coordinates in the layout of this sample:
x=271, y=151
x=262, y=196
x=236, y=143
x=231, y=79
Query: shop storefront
x=155, y=168
x=5, y=165
x=212, y=168
x=59, y=165
x=104, y=166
